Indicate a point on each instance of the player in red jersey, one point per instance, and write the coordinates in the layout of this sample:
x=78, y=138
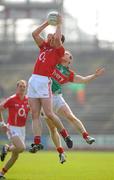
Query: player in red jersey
x=61, y=75
x=18, y=108
x=39, y=91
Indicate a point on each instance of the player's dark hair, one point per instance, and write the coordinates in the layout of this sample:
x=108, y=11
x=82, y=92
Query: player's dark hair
x=63, y=38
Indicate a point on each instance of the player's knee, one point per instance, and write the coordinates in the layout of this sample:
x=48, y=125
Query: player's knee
x=53, y=129
x=35, y=115
x=49, y=115
x=70, y=117
x=21, y=148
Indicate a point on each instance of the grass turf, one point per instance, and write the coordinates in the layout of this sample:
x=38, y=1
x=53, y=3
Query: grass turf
x=79, y=166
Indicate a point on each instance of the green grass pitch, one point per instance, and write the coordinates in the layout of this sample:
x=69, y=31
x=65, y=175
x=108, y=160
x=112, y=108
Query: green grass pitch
x=79, y=166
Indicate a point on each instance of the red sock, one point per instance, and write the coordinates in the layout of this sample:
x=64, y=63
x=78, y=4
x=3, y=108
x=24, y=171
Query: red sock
x=60, y=150
x=37, y=139
x=64, y=133
x=85, y=134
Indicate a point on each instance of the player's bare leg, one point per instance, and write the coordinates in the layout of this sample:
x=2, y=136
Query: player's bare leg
x=56, y=140
x=66, y=112
x=16, y=148
x=35, y=106
x=10, y=163
x=47, y=107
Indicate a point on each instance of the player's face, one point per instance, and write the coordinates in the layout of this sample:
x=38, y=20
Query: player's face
x=21, y=88
x=50, y=39
x=67, y=59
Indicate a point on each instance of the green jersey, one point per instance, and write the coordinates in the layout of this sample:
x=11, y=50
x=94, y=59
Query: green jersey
x=61, y=75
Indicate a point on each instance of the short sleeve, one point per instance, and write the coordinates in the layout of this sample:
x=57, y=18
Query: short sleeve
x=71, y=77
x=7, y=103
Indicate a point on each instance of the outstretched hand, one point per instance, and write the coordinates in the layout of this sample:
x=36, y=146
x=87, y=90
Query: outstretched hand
x=99, y=71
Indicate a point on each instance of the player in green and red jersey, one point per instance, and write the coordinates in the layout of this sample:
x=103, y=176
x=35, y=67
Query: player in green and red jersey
x=61, y=75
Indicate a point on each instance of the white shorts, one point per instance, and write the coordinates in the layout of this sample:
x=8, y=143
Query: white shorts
x=39, y=87
x=58, y=102
x=16, y=131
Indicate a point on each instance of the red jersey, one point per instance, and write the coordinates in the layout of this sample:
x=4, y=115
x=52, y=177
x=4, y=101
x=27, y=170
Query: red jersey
x=17, y=110
x=48, y=58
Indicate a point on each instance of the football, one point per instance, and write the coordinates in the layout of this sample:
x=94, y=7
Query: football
x=53, y=18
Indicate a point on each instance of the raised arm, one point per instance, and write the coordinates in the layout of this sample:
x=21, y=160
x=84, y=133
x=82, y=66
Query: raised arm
x=58, y=33
x=87, y=79
x=36, y=34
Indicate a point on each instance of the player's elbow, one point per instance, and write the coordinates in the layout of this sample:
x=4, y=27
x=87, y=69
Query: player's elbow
x=34, y=34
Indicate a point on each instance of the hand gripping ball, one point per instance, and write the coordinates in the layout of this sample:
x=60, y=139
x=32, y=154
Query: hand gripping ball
x=53, y=18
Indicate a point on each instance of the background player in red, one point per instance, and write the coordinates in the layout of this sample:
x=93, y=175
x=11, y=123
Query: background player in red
x=18, y=108
x=39, y=91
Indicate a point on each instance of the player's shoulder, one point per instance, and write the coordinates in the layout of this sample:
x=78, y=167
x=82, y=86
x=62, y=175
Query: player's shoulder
x=13, y=96
x=72, y=73
x=9, y=99
x=71, y=70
